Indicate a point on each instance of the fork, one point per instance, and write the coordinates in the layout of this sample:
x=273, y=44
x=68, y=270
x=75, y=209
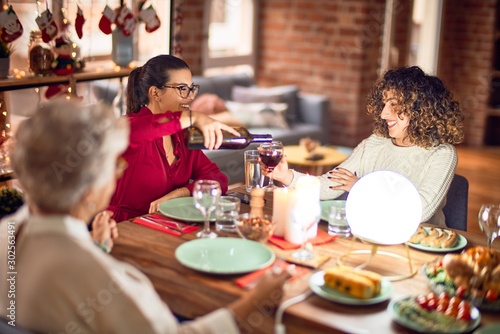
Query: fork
x=178, y=228
x=178, y=225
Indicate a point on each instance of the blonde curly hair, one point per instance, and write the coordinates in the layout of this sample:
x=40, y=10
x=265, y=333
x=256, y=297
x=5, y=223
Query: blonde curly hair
x=435, y=117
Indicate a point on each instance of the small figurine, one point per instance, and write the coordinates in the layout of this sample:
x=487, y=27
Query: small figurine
x=64, y=63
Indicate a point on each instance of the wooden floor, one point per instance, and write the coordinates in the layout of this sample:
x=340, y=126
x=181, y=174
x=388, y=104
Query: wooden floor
x=481, y=167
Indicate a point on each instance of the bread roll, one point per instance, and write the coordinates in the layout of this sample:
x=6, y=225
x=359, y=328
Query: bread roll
x=437, y=240
x=419, y=235
x=450, y=240
x=356, y=283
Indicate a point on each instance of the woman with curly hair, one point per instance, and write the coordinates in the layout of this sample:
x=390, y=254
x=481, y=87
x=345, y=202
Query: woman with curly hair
x=417, y=122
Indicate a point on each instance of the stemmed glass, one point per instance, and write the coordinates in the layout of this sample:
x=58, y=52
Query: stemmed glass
x=305, y=216
x=206, y=193
x=270, y=154
x=489, y=221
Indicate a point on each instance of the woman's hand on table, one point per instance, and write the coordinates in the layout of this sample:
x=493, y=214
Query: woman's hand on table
x=104, y=230
x=212, y=131
x=344, y=178
x=179, y=192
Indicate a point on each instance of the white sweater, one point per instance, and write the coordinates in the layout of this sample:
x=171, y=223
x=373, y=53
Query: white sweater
x=430, y=170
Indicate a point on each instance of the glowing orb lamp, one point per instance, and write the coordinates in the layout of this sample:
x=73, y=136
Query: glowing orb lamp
x=384, y=208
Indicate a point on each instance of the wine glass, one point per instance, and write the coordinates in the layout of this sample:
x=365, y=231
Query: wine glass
x=270, y=154
x=206, y=193
x=489, y=221
x=305, y=216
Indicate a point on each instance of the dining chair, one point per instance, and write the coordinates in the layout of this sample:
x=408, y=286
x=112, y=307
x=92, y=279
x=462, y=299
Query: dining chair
x=455, y=210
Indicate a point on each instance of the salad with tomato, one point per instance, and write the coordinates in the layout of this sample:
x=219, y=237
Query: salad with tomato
x=441, y=282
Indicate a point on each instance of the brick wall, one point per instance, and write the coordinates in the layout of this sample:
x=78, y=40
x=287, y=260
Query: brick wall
x=466, y=57
x=332, y=47
x=192, y=33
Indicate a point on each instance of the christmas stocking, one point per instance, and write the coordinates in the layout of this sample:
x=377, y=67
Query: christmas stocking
x=47, y=25
x=10, y=26
x=80, y=20
x=150, y=18
x=108, y=18
x=126, y=20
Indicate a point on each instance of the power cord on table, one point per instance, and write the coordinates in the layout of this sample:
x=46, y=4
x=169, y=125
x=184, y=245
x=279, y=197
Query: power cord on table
x=279, y=327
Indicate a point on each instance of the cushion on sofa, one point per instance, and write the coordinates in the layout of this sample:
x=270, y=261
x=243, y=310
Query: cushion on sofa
x=285, y=94
x=259, y=114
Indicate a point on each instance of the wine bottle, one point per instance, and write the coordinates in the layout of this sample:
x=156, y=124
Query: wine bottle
x=194, y=139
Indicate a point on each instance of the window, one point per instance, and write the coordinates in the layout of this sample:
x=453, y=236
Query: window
x=94, y=43
x=230, y=27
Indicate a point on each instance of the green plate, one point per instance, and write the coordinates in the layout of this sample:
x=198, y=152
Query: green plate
x=409, y=323
x=461, y=243
x=318, y=286
x=183, y=208
x=224, y=255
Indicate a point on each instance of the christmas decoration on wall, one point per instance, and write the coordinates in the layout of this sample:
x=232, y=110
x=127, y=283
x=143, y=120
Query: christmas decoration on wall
x=149, y=17
x=107, y=19
x=10, y=26
x=178, y=18
x=122, y=17
x=47, y=25
x=79, y=21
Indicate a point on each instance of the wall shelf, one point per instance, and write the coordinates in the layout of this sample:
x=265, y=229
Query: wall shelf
x=93, y=71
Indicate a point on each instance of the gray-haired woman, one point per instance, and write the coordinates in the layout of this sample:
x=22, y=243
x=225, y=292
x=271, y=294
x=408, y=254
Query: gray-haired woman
x=67, y=159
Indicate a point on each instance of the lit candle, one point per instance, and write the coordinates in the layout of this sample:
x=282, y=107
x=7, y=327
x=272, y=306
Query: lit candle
x=282, y=202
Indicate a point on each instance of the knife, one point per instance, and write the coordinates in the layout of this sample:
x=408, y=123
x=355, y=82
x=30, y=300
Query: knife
x=164, y=226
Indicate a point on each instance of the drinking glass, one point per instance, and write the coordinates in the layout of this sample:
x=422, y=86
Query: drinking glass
x=337, y=220
x=206, y=193
x=270, y=154
x=227, y=210
x=489, y=221
x=253, y=173
x=306, y=216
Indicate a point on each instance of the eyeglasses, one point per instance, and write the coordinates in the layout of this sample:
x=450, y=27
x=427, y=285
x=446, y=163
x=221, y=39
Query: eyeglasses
x=184, y=90
x=121, y=165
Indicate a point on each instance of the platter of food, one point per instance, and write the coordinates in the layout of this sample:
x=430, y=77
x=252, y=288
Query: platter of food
x=473, y=275
x=348, y=286
x=435, y=314
x=434, y=239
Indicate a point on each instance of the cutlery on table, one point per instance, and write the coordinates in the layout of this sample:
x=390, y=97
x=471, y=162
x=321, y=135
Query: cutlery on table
x=180, y=230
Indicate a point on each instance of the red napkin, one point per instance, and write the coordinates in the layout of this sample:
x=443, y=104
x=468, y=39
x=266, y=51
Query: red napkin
x=321, y=238
x=249, y=280
x=160, y=221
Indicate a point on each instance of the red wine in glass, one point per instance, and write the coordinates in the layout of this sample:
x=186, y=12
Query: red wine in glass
x=271, y=154
x=271, y=158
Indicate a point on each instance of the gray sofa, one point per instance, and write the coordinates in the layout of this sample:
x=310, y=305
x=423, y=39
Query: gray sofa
x=307, y=116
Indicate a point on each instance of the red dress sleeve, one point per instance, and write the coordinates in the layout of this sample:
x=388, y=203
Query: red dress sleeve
x=146, y=126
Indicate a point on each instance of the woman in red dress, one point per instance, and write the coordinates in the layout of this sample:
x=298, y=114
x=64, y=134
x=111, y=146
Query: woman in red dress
x=160, y=167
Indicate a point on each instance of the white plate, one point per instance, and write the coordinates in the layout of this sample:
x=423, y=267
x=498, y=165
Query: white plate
x=409, y=323
x=224, y=255
x=183, y=208
x=318, y=286
x=461, y=243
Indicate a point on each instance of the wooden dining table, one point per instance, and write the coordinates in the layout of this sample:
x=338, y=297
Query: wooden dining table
x=190, y=293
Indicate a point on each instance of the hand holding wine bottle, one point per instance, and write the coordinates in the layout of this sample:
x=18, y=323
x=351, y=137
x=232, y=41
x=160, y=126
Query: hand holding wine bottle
x=194, y=139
